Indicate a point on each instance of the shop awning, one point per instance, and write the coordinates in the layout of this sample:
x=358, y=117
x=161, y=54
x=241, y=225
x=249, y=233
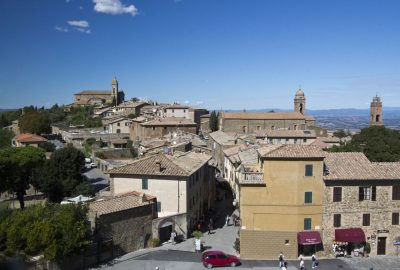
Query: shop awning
x=309, y=238
x=351, y=235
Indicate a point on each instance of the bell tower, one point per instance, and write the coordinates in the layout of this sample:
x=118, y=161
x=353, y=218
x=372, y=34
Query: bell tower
x=376, y=112
x=300, y=102
x=114, y=91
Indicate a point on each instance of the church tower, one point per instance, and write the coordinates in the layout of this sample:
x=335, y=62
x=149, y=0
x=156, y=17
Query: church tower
x=300, y=102
x=114, y=91
x=376, y=112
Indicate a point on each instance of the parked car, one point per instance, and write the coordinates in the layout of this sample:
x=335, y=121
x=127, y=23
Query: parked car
x=219, y=258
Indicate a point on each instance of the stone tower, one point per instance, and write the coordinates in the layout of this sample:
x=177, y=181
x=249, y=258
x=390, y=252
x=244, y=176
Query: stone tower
x=114, y=90
x=376, y=112
x=300, y=102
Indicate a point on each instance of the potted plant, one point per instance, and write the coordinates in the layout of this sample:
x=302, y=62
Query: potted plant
x=367, y=249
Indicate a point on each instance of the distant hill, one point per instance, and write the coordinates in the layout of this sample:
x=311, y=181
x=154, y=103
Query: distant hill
x=7, y=110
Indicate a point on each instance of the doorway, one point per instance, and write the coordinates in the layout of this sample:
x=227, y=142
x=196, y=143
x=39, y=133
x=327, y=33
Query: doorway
x=381, y=246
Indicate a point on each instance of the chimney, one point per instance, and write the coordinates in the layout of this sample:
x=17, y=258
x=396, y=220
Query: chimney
x=158, y=162
x=142, y=197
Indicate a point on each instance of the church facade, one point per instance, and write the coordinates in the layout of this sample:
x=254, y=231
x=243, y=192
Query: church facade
x=99, y=97
x=251, y=122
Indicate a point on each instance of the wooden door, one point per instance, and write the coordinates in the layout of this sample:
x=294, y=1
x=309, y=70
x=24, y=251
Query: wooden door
x=381, y=246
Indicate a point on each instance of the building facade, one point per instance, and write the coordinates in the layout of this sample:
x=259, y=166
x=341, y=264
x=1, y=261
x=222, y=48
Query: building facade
x=376, y=112
x=99, y=97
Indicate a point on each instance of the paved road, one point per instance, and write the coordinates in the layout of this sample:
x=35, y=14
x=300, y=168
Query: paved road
x=97, y=178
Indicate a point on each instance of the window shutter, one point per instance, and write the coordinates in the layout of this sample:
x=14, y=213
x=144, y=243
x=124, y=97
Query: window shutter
x=373, y=194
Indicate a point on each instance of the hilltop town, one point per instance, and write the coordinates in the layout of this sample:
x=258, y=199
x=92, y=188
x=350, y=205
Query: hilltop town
x=154, y=174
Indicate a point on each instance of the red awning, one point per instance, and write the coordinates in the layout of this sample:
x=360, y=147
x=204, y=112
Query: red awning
x=351, y=235
x=309, y=238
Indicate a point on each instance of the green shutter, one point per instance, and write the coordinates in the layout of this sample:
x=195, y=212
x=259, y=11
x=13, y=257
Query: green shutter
x=145, y=184
x=308, y=197
x=158, y=206
x=309, y=170
x=307, y=224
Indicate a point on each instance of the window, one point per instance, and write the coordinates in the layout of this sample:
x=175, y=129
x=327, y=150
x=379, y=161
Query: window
x=336, y=220
x=118, y=130
x=295, y=127
x=395, y=218
x=244, y=129
x=154, y=128
x=272, y=127
x=396, y=193
x=309, y=170
x=258, y=127
x=221, y=256
x=304, y=140
x=367, y=193
x=307, y=224
x=366, y=219
x=145, y=184
x=337, y=194
x=308, y=197
x=295, y=141
x=118, y=124
x=158, y=206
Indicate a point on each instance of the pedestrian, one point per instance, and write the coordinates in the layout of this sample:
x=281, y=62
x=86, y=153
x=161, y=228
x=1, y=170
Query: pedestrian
x=227, y=220
x=314, y=261
x=209, y=228
x=302, y=264
x=281, y=259
x=173, y=235
x=284, y=267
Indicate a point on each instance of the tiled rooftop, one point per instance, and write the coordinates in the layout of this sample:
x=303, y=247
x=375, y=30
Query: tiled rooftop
x=356, y=166
x=119, y=203
x=27, y=137
x=94, y=92
x=286, y=133
x=170, y=121
x=288, y=151
x=222, y=138
x=179, y=164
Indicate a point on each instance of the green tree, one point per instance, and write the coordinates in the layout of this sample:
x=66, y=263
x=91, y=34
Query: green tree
x=213, y=124
x=340, y=133
x=34, y=121
x=47, y=146
x=56, y=231
x=16, y=169
x=379, y=144
x=5, y=137
x=60, y=175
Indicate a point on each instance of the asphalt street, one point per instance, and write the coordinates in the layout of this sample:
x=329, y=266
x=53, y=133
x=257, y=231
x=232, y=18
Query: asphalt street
x=96, y=178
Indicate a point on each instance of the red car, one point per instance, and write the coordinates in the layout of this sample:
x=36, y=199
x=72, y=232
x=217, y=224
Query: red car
x=219, y=258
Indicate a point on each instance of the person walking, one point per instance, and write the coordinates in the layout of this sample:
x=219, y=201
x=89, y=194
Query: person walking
x=226, y=220
x=209, y=228
x=302, y=264
x=281, y=259
x=314, y=261
x=173, y=236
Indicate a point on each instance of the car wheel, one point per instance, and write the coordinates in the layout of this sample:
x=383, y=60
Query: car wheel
x=209, y=265
x=233, y=264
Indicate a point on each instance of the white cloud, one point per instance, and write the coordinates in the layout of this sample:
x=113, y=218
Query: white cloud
x=81, y=24
x=187, y=102
x=83, y=30
x=67, y=1
x=113, y=7
x=61, y=29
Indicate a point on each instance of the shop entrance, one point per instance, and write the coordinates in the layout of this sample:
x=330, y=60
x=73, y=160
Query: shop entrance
x=381, y=246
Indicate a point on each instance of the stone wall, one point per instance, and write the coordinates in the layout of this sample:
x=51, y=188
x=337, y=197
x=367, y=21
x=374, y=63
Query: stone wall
x=251, y=126
x=267, y=244
x=128, y=229
x=352, y=210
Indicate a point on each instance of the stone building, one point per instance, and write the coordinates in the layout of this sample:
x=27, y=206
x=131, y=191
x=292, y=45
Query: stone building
x=218, y=141
x=281, y=204
x=304, y=137
x=118, y=125
x=98, y=97
x=250, y=122
x=125, y=219
x=361, y=203
x=143, y=128
x=27, y=139
x=183, y=184
x=376, y=112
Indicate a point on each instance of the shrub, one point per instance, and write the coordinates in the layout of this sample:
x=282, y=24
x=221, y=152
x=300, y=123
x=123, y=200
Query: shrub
x=197, y=234
x=154, y=242
x=367, y=248
x=236, y=245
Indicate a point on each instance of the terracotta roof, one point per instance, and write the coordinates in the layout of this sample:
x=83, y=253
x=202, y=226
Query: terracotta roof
x=94, y=92
x=29, y=138
x=222, y=138
x=356, y=166
x=119, y=119
x=284, y=133
x=119, y=203
x=290, y=151
x=131, y=104
x=149, y=166
x=180, y=164
x=170, y=121
x=263, y=115
x=119, y=141
x=325, y=142
x=176, y=106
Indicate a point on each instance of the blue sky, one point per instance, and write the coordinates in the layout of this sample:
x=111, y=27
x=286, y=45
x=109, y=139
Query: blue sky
x=217, y=54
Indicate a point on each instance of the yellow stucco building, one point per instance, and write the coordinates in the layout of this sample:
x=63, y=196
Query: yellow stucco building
x=281, y=211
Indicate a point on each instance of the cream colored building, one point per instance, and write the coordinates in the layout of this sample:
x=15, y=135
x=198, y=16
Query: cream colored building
x=281, y=206
x=119, y=125
x=304, y=137
x=183, y=184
